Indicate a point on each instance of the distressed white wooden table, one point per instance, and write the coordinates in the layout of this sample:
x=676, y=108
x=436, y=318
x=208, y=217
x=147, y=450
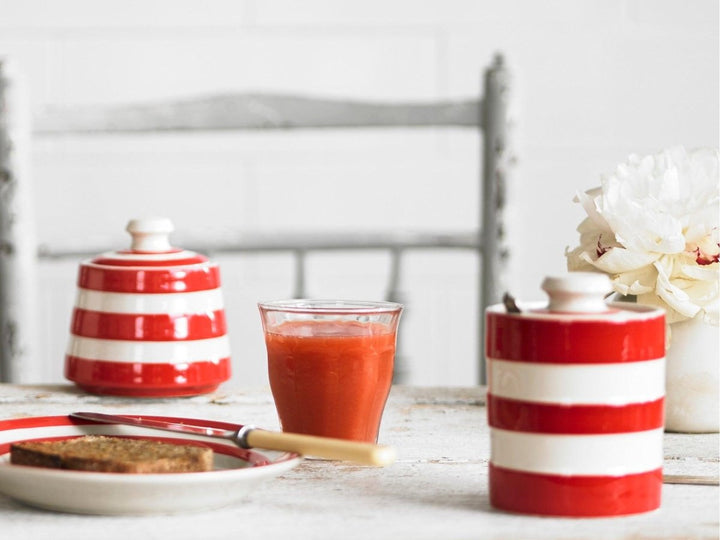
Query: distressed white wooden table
x=438, y=488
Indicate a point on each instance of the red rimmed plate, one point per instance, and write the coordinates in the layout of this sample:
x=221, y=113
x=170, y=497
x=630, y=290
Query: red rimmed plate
x=237, y=472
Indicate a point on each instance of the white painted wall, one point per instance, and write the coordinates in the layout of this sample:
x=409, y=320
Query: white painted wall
x=594, y=81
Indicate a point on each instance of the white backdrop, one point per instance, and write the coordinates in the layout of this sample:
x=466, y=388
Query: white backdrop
x=594, y=80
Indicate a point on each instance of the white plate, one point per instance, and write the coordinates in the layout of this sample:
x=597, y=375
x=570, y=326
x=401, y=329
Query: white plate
x=236, y=473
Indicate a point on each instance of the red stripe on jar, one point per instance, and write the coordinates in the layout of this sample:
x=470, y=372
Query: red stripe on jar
x=556, y=341
x=553, y=418
x=578, y=496
x=146, y=380
x=165, y=280
x=169, y=262
x=156, y=327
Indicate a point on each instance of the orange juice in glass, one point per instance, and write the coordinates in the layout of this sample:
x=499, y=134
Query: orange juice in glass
x=330, y=364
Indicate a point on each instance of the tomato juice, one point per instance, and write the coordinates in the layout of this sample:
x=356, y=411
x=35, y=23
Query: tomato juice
x=331, y=378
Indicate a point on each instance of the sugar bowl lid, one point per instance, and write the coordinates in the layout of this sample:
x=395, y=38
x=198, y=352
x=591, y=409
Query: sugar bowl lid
x=151, y=264
x=150, y=246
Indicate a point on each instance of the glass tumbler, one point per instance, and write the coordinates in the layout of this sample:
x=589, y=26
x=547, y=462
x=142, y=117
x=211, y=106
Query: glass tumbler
x=330, y=364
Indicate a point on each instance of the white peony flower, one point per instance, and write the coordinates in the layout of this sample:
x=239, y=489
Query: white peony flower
x=654, y=227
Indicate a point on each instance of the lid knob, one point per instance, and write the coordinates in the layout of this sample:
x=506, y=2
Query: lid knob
x=150, y=234
x=578, y=292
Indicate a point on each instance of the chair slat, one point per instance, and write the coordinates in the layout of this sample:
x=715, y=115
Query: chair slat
x=253, y=111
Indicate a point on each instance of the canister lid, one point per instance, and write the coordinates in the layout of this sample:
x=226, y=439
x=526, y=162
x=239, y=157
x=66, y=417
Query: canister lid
x=578, y=292
x=576, y=326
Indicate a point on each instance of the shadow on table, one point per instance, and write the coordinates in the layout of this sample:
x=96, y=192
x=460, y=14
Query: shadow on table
x=460, y=486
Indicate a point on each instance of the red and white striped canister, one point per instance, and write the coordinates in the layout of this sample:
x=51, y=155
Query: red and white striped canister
x=148, y=321
x=576, y=402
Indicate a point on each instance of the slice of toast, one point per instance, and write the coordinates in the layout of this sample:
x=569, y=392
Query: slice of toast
x=113, y=454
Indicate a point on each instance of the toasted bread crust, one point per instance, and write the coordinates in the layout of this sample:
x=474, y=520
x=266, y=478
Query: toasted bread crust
x=112, y=454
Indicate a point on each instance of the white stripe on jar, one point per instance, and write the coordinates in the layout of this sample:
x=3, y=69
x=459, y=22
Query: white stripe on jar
x=569, y=384
x=616, y=454
x=150, y=303
x=150, y=352
x=162, y=256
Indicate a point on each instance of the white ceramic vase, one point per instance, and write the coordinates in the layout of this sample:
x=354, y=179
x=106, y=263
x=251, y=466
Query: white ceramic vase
x=691, y=385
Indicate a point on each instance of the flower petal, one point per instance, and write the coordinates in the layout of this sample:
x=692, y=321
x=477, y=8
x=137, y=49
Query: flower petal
x=707, y=272
x=619, y=260
x=588, y=200
x=673, y=295
x=638, y=282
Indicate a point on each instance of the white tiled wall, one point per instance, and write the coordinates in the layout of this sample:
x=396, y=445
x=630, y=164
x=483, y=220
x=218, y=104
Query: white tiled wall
x=593, y=81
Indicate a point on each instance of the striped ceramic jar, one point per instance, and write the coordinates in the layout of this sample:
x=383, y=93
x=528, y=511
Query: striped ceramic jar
x=575, y=403
x=148, y=321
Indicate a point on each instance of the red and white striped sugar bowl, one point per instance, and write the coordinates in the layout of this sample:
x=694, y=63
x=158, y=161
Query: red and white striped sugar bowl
x=575, y=403
x=148, y=321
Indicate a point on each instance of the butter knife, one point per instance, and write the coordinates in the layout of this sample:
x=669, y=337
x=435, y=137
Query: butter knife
x=252, y=437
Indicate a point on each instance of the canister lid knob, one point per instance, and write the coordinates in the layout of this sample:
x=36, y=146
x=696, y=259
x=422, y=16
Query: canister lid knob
x=578, y=292
x=150, y=234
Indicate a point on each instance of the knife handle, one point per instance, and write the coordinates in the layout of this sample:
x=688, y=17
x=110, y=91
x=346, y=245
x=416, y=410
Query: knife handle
x=324, y=447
